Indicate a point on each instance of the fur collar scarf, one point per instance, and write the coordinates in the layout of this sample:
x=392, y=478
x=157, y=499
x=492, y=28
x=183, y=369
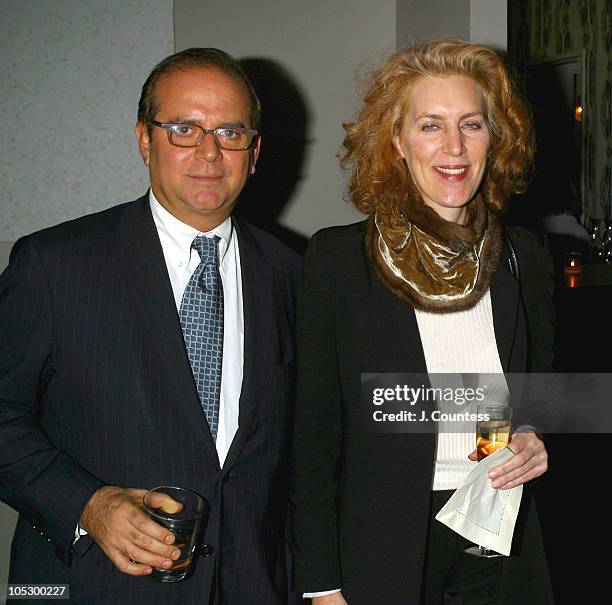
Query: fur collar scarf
x=431, y=263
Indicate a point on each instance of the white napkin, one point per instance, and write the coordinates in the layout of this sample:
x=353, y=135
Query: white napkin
x=482, y=514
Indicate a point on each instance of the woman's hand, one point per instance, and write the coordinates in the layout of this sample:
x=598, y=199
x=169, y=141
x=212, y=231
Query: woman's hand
x=529, y=462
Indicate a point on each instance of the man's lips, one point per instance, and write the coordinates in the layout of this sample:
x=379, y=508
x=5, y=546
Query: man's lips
x=207, y=178
x=453, y=174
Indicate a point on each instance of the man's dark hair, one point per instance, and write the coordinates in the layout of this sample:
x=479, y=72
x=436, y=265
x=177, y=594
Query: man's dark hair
x=196, y=57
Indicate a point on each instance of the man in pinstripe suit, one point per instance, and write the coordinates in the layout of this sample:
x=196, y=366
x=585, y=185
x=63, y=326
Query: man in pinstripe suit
x=97, y=396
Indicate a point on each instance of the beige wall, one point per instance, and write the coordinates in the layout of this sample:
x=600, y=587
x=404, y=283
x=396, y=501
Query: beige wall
x=482, y=21
x=5, y=249
x=71, y=74
x=8, y=517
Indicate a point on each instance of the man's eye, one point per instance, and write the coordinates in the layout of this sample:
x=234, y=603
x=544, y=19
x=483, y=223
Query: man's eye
x=183, y=130
x=229, y=133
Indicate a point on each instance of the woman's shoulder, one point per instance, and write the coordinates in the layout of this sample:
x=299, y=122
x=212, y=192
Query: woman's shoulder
x=533, y=253
x=338, y=239
x=336, y=251
x=527, y=241
x=340, y=235
x=536, y=286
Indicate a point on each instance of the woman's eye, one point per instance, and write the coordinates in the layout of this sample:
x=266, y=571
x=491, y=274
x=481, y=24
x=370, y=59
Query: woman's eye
x=430, y=127
x=473, y=125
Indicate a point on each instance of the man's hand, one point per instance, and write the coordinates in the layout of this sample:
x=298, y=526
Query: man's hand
x=116, y=520
x=529, y=462
x=330, y=599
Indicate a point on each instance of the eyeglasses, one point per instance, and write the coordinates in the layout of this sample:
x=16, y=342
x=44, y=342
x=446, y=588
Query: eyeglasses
x=191, y=135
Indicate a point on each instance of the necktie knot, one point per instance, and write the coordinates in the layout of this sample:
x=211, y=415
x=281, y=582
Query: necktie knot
x=207, y=248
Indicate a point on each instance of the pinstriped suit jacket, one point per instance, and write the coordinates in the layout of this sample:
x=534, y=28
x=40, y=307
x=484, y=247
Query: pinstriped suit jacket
x=96, y=388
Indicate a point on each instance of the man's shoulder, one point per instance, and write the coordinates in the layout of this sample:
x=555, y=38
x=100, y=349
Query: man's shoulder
x=275, y=252
x=85, y=228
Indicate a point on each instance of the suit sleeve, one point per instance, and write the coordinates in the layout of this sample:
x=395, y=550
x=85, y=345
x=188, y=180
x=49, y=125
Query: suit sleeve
x=544, y=406
x=537, y=277
x=40, y=481
x=317, y=431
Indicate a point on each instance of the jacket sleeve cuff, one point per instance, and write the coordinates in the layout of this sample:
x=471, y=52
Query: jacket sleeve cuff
x=324, y=593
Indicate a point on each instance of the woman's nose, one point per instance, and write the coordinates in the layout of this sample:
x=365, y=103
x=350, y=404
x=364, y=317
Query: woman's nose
x=453, y=142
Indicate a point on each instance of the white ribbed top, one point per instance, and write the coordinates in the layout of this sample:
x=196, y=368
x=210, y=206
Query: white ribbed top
x=459, y=342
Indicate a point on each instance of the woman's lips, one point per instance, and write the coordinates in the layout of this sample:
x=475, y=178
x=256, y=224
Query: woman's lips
x=453, y=174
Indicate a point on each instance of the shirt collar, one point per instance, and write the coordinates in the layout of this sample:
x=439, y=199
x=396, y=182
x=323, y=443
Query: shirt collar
x=179, y=236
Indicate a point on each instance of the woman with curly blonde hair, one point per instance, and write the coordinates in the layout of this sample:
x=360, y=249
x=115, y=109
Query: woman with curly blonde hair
x=430, y=283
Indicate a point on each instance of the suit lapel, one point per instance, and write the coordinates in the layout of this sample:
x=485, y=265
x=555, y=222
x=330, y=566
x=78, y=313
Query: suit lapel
x=257, y=293
x=151, y=292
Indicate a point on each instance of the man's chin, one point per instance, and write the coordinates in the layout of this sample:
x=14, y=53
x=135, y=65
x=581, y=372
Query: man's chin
x=209, y=212
x=211, y=203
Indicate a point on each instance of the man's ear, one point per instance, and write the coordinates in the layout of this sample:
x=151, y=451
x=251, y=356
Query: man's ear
x=255, y=155
x=144, y=141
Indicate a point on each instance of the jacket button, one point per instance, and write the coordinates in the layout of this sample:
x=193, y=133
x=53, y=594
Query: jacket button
x=206, y=550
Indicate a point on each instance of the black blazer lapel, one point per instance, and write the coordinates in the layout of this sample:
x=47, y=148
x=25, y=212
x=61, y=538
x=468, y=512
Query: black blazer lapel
x=258, y=299
x=149, y=286
x=394, y=327
x=505, y=301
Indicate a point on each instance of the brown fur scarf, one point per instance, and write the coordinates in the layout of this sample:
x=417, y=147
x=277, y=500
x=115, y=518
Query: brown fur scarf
x=431, y=263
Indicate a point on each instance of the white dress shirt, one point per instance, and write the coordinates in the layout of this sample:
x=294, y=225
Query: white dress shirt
x=181, y=261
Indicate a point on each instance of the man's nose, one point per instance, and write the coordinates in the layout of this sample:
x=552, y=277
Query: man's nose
x=208, y=149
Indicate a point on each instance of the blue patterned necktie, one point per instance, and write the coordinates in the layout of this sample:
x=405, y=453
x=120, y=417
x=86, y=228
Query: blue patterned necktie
x=201, y=316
